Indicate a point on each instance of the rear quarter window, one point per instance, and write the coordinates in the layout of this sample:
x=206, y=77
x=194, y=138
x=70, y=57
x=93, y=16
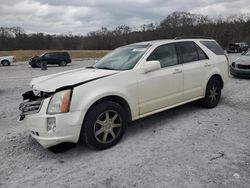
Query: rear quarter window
x=201, y=54
x=65, y=54
x=214, y=47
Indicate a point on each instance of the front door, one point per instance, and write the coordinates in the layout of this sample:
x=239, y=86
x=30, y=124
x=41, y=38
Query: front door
x=163, y=87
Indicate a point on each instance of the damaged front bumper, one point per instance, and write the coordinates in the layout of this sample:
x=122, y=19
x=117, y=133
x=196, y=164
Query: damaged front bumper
x=48, y=129
x=32, y=102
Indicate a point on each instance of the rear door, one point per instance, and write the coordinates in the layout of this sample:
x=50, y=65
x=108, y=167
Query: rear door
x=55, y=58
x=195, y=62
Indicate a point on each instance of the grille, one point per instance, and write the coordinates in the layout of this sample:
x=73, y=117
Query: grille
x=243, y=66
x=32, y=102
x=30, y=107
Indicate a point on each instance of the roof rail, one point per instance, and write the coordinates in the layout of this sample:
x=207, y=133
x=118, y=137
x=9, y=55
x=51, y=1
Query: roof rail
x=191, y=37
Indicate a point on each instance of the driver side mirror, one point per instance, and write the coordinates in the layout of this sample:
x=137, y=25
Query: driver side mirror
x=150, y=66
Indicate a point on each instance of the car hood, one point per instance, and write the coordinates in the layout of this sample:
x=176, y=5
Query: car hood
x=243, y=60
x=71, y=78
x=7, y=57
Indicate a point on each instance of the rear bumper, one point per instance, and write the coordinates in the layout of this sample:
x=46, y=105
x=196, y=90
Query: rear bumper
x=240, y=72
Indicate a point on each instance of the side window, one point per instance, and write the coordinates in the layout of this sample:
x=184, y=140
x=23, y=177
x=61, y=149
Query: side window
x=188, y=52
x=201, y=54
x=214, y=47
x=64, y=55
x=166, y=54
x=47, y=55
x=53, y=55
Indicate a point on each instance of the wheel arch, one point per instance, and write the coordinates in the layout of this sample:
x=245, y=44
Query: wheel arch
x=217, y=77
x=4, y=60
x=113, y=98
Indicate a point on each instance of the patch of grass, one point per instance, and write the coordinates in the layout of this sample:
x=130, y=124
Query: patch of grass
x=24, y=55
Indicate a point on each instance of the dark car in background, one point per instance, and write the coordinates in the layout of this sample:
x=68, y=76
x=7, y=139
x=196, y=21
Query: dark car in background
x=237, y=47
x=241, y=66
x=52, y=58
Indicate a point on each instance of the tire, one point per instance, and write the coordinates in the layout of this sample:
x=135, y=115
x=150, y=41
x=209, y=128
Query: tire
x=213, y=94
x=38, y=64
x=34, y=66
x=5, y=63
x=99, y=134
x=63, y=64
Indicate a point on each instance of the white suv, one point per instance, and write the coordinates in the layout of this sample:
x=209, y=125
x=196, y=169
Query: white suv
x=95, y=103
x=7, y=60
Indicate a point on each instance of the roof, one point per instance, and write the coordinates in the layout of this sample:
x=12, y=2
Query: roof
x=152, y=42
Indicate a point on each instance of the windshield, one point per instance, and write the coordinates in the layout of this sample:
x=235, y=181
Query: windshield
x=123, y=58
x=42, y=54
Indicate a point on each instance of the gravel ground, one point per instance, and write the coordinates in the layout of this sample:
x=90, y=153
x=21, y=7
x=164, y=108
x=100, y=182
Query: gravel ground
x=184, y=147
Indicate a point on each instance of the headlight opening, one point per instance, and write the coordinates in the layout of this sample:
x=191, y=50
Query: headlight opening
x=60, y=102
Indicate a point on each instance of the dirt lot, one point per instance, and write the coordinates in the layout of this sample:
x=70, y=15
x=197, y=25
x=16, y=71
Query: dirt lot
x=184, y=147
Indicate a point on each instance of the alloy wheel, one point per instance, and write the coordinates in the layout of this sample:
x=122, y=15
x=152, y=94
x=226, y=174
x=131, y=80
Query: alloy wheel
x=213, y=94
x=107, y=126
x=6, y=63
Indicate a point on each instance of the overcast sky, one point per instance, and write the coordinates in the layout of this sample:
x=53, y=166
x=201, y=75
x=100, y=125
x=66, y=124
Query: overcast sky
x=82, y=16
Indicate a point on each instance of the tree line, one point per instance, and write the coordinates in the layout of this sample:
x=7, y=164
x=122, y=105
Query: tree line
x=224, y=30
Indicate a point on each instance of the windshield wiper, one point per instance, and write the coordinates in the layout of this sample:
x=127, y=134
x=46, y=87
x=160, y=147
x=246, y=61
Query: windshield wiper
x=90, y=67
x=107, y=68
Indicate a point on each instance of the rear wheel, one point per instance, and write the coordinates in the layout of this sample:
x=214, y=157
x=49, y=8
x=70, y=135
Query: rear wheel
x=5, y=63
x=63, y=63
x=104, y=125
x=213, y=94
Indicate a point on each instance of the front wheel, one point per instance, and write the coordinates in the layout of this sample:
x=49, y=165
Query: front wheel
x=213, y=94
x=38, y=64
x=5, y=63
x=104, y=125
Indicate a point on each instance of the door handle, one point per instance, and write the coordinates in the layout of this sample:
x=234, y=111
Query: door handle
x=207, y=65
x=177, y=71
